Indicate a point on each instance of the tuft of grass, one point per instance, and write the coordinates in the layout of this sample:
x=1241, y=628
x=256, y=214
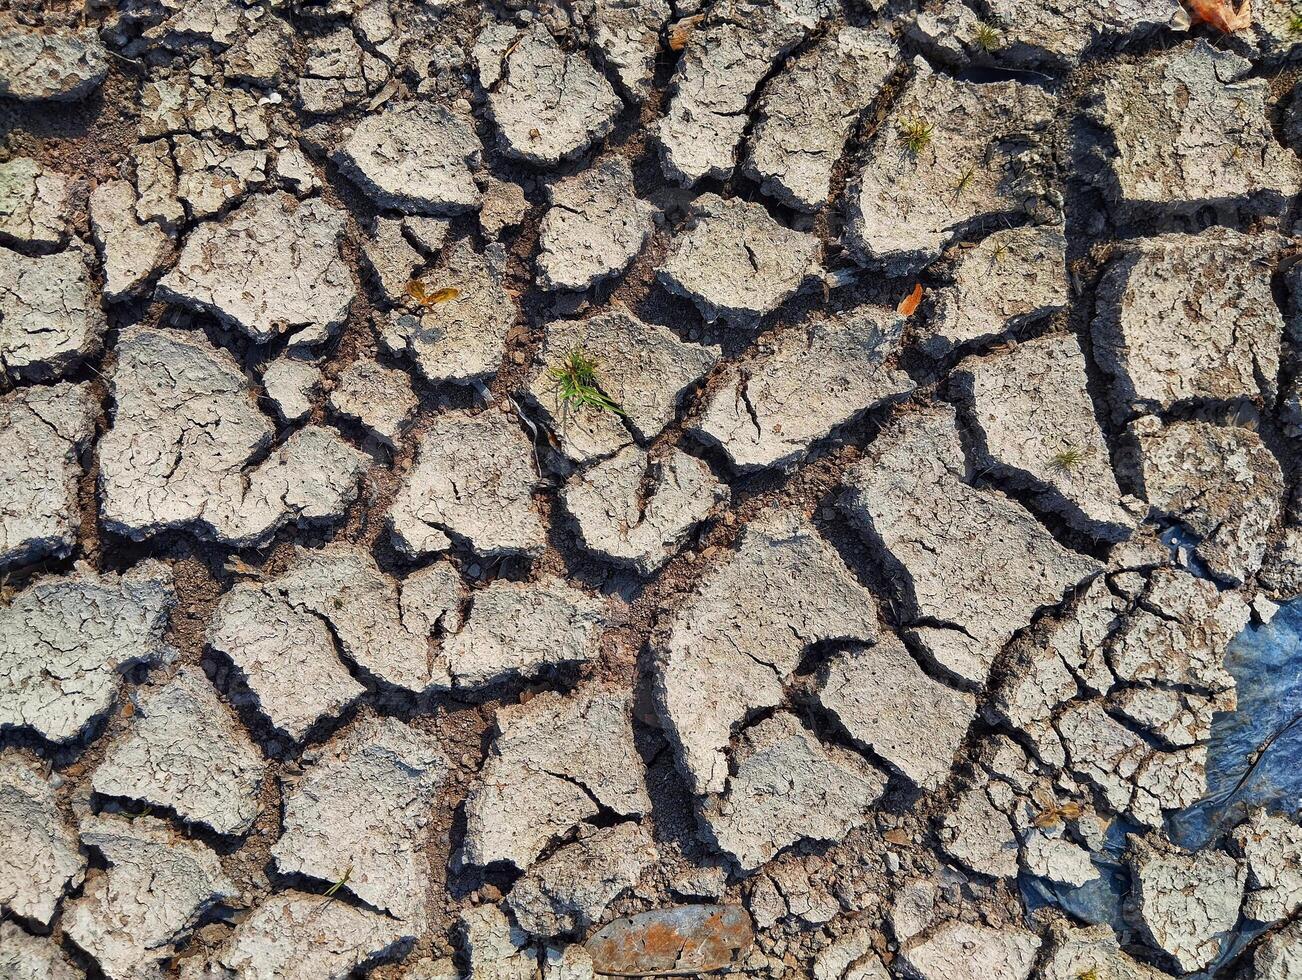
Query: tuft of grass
x=963, y=183
x=986, y=38
x=916, y=134
x=333, y=890
x=1294, y=27
x=574, y=382
x=1068, y=459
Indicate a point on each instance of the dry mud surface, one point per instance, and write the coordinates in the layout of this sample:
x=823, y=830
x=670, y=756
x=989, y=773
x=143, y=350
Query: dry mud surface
x=335, y=641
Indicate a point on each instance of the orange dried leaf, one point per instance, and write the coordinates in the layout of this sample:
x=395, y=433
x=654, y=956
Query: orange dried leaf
x=681, y=31
x=422, y=294
x=910, y=302
x=1221, y=14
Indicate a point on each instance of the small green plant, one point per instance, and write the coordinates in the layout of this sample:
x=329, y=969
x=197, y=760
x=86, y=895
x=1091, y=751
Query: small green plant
x=916, y=134
x=986, y=38
x=574, y=382
x=333, y=890
x=964, y=181
x=1068, y=459
x=1295, y=24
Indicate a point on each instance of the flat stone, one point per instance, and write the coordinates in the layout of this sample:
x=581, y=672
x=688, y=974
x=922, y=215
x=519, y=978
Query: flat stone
x=53, y=66
x=34, y=205
x=1035, y=427
x=361, y=811
x=725, y=60
x=1279, y=956
x=1185, y=318
x=1010, y=278
x=461, y=338
x=976, y=566
x=210, y=175
x=131, y=251
x=627, y=33
x=798, y=385
x=43, y=432
x=807, y=112
x=66, y=640
x=185, y=430
x=786, y=786
x=1271, y=847
x=627, y=525
x=185, y=751
x=271, y=267
x=596, y=226
x=979, y=836
x=523, y=629
x=473, y=480
x=548, y=104
x=1185, y=902
x=286, y=657
x=1071, y=953
x=39, y=859
x=379, y=399
x=642, y=367
x=985, y=161
x=52, y=316
x=1187, y=129
x=696, y=938
x=889, y=706
x=735, y=261
x=156, y=888
x=414, y=157
x=295, y=936
x=291, y=386
x=554, y=763
x=962, y=951
x=567, y=891
x=25, y=957
x=1221, y=483
x=792, y=591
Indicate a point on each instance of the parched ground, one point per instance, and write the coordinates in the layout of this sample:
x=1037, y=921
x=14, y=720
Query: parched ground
x=944, y=398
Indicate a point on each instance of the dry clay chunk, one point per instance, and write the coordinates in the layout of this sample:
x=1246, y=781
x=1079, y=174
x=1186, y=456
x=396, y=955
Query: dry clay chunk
x=39, y=858
x=185, y=751
x=295, y=936
x=520, y=629
x=1279, y=955
x=1185, y=317
x=460, y=337
x=1188, y=129
x=65, y=641
x=473, y=480
x=596, y=226
x=361, y=811
x=888, y=705
x=951, y=156
x=131, y=251
x=799, y=386
x=786, y=786
x=184, y=431
x=725, y=60
x=1059, y=33
x=642, y=367
x=1271, y=846
x=1222, y=483
x=548, y=104
x=34, y=205
x=210, y=175
x=1035, y=424
x=567, y=891
x=729, y=650
x=27, y=957
x=43, y=431
x=414, y=157
x=378, y=398
x=271, y=267
x=961, y=951
x=627, y=33
x=1185, y=902
x=55, y=66
x=555, y=761
x=621, y=522
x=735, y=261
x=157, y=886
x=291, y=385
x=979, y=836
x=50, y=315
x=1009, y=278
x=807, y=112
x=976, y=564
